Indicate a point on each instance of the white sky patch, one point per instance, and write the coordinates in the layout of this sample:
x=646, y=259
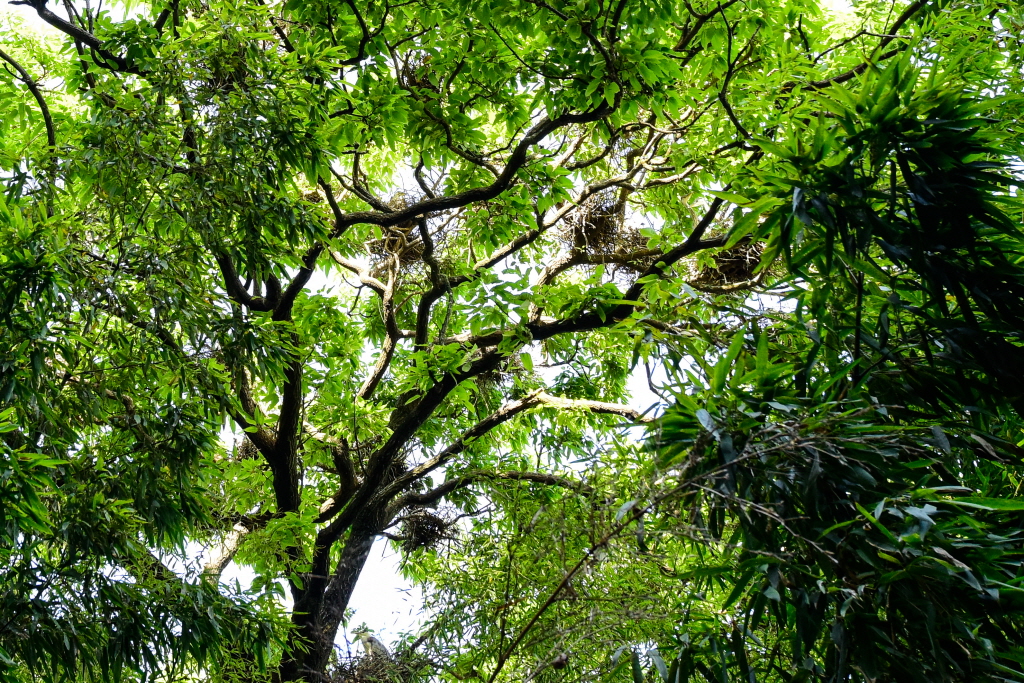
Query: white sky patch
x=841, y=10
x=27, y=17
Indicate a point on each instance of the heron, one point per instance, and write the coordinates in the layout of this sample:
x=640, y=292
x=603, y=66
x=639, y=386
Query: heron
x=373, y=647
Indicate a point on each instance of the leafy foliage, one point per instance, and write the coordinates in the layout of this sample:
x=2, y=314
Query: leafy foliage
x=857, y=480
x=279, y=279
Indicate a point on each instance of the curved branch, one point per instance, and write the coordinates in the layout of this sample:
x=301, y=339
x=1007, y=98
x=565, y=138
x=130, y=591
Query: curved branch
x=437, y=493
x=599, y=407
x=223, y=553
x=345, y=468
x=582, y=258
x=846, y=76
x=262, y=438
x=502, y=415
x=516, y=160
x=51, y=137
x=439, y=285
x=393, y=334
x=362, y=273
x=237, y=293
x=81, y=35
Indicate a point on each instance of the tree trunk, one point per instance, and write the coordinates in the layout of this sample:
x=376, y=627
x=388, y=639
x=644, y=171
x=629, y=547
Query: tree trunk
x=311, y=644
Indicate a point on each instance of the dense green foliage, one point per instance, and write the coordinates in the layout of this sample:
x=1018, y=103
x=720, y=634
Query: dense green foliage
x=865, y=467
x=280, y=279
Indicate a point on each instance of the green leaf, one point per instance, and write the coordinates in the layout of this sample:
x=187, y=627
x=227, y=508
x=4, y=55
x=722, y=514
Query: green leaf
x=992, y=503
x=527, y=361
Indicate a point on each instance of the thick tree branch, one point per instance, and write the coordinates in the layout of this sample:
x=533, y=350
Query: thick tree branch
x=261, y=437
x=599, y=407
x=237, y=293
x=582, y=258
x=222, y=553
x=347, y=482
x=283, y=460
x=362, y=273
x=81, y=35
x=439, y=284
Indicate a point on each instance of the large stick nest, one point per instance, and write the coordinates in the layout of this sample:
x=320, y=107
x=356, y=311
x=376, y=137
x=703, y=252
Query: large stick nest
x=733, y=265
x=423, y=528
x=402, y=667
x=595, y=224
x=415, y=71
x=598, y=226
x=509, y=368
x=403, y=239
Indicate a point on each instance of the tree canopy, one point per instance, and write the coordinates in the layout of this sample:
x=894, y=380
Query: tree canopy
x=278, y=279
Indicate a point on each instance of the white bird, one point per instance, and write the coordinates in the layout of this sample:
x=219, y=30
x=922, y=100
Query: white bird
x=373, y=647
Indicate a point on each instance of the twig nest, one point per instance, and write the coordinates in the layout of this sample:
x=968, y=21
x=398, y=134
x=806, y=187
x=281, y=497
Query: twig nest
x=595, y=224
x=425, y=529
x=733, y=265
x=403, y=667
x=598, y=226
x=402, y=239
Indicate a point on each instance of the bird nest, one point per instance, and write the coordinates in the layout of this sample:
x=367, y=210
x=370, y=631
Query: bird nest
x=509, y=368
x=598, y=226
x=403, y=239
x=595, y=224
x=733, y=265
x=403, y=667
x=415, y=71
x=425, y=529
x=247, y=450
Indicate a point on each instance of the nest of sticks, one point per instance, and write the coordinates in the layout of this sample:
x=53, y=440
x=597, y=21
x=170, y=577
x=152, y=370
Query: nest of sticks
x=403, y=667
x=415, y=71
x=403, y=239
x=423, y=528
x=598, y=226
x=595, y=224
x=509, y=368
x=732, y=266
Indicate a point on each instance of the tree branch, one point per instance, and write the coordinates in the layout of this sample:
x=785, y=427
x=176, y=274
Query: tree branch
x=81, y=35
x=362, y=273
x=504, y=414
x=393, y=334
x=262, y=438
x=437, y=493
x=237, y=293
x=284, y=461
x=516, y=160
x=223, y=553
x=346, y=471
x=541, y=329
x=33, y=87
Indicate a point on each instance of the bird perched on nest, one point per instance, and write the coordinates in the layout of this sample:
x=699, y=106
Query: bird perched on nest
x=373, y=647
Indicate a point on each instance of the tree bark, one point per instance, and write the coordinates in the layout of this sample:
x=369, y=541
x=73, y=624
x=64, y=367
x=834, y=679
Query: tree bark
x=317, y=614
